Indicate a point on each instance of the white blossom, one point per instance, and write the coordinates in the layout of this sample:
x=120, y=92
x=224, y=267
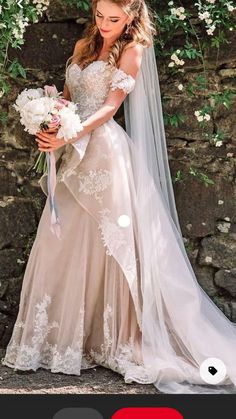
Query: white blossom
x=220, y=202
x=211, y=1
x=211, y=30
x=218, y=143
x=180, y=87
x=25, y=96
x=204, y=16
x=207, y=117
x=70, y=124
x=35, y=112
x=175, y=60
x=178, y=12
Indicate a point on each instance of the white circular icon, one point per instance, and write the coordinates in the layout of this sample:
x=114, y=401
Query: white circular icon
x=213, y=370
x=124, y=220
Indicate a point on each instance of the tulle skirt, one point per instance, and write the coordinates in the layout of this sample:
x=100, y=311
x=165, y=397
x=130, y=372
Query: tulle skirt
x=117, y=290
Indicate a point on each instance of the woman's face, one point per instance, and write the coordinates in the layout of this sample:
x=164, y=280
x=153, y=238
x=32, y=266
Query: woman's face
x=110, y=19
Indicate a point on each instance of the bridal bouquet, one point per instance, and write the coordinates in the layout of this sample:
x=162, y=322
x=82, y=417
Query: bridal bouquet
x=42, y=109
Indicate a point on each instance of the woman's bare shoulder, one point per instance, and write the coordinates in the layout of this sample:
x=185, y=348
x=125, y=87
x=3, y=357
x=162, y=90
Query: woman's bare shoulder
x=135, y=45
x=78, y=44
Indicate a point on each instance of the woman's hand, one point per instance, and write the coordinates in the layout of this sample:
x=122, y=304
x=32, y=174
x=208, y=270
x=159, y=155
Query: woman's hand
x=47, y=140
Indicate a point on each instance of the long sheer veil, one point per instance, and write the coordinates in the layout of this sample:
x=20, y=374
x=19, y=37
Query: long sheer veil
x=181, y=326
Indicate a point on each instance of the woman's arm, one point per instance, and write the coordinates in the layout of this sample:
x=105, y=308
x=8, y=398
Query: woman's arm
x=66, y=93
x=130, y=63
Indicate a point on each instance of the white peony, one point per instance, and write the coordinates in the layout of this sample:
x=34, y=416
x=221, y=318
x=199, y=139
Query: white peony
x=70, y=123
x=35, y=112
x=26, y=96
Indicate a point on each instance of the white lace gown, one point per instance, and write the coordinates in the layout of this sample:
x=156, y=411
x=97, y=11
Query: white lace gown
x=83, y=302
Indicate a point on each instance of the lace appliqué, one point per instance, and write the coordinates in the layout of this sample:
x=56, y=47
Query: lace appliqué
x=122, y=80
x=112, y=234
x=124, y=361
x=113, y=238
x=93, y=183
x=41, y=353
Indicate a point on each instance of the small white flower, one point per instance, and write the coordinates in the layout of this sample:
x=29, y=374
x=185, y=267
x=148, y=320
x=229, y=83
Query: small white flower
x=211, y=30
x=220, y=202
x=209, y=21
x=200, y=118
x=218, y=143
x=211, y=1
x=174, y=57
x=207, y=117
x=197, y=113
x=180, y=87
x=230, y=7
x=204, y=16
x=230, y=154
x=171, y=64
x=170, y=3
x=208, y=259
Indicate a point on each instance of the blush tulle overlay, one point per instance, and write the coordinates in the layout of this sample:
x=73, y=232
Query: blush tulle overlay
x=101, y=294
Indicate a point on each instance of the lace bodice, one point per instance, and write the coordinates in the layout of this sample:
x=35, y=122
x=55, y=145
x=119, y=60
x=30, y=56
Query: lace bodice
x=89, y=87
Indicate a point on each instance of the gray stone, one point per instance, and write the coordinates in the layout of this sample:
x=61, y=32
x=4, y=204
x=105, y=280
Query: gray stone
x=226, y=279
x=218, y=251
x=42, y=36
x=11, y=263
x=17, y=221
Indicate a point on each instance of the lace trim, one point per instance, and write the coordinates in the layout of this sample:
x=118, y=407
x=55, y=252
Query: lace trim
x=46, y=355
x=122, y=80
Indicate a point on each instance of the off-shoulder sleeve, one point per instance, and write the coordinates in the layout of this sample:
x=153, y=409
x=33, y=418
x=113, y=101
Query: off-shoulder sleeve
x=121, y=80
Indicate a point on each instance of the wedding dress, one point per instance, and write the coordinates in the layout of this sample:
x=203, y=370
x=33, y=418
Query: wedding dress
x=83, y=302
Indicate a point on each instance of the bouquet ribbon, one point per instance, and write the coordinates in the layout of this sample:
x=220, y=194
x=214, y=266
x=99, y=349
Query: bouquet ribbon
x=51, y=184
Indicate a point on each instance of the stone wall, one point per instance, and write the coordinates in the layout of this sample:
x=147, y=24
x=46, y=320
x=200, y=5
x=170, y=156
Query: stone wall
x=207, y=214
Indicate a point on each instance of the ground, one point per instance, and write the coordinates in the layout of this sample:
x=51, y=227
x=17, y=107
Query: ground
x=95, y=380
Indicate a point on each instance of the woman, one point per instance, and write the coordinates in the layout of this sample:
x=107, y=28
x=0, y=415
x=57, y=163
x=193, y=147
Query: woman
x=117, y=289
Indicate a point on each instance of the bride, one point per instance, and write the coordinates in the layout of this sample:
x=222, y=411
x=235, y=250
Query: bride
x=116, y=288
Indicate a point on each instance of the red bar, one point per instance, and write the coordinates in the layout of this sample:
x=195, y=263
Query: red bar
x=147, y=413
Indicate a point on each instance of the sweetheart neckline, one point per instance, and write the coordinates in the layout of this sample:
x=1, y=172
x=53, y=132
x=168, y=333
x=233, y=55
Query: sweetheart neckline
x=82, y=69
x=98, y=61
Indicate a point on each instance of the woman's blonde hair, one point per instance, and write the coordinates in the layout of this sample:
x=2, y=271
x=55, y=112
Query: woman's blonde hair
x=142, y=30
